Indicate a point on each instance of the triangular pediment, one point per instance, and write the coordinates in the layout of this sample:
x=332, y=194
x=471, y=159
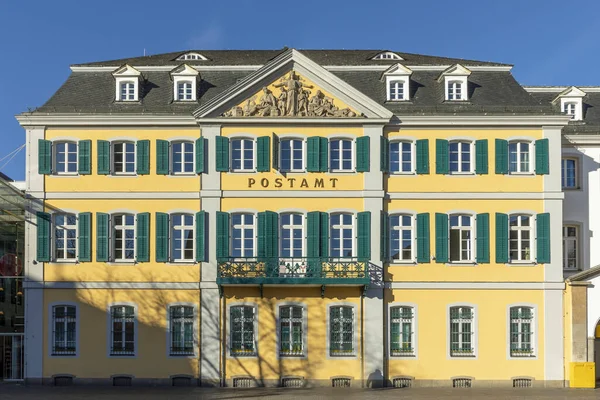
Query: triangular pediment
x=398, y=69
x=184, y=70
x=126, y=70
x=455, y=70
x=292, y=86
x=570, y=92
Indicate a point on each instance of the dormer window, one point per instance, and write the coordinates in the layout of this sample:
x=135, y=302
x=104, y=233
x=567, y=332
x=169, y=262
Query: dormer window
x=191, y=57
x=127, y=81
x=397, y=79
x=387, y=55
x=455, y=81
x=396, y=89
x=569, y=109
x=571, y=102
x=184, y=83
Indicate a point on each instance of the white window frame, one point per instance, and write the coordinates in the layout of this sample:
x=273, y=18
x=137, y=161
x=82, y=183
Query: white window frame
x=66, y=153
x=341, y=228
x=355, y=316
x=130, y=87
x=414, y=326
x=402, y=228
x=570, y=108
x=304, y=353
x=401, y=142
x=472, y=160
x=575, y=239
x=229, y=349
x=292, y=169
x=242, y=156
x=471, y=242
x=51, y=336
x=65, y=226
x=123, y=228
x=291, y=227
x=519, y=153
x=183, y=228
x=187, y=87
x=474, y=333
x=563, y=179
x=532, y=238
x=183, y=152
x=396, y=89
x=340, y=164
x=112, y=157
x=170, y=331
x=534, y=323
x=455, y=90
x=110, y=343
x=243, y=226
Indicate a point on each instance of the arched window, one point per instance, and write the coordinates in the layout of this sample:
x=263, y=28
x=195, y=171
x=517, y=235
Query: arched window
x=341, y=235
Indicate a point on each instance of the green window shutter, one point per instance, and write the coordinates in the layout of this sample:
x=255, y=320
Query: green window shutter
x=441, y=238
x=143, y=157
x=162, y=157
x=423, y=235
x=162, y=237
x=363, y=152
x=222, y=235
x=442, y=162
x=422, y=166
x=323, y=154
x=543, y=238
x=222, y=153
x=142, y=241
x=200, y=236
x=103, y=157
x=483, y=238
x=268, y=234
x=101, y=237
x=364, y=234
x=324, y=240
x=44, y=157
x=275, y=151
x=85, y=161
x=313, y=233
x=263, y=157
x=312, y=150
x=43, y=236
x=542, y=160
x=200, y=151
x=385, y=239
x=261, y=236
x=85, y=233
x=384, y=154
x=481, y=156
x=501, y=156
x=501, y=238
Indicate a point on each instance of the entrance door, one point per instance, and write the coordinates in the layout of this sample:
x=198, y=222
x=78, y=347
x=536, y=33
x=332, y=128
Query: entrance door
x=11, y=357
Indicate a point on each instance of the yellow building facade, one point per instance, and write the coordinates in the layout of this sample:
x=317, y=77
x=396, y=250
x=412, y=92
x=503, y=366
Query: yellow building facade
x=311, y=218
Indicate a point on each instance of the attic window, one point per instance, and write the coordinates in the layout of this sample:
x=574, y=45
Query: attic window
x=387, y=55
x=191, y=56
x=570, y=108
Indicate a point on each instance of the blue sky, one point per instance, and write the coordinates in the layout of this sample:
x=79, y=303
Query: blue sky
x=549, y=42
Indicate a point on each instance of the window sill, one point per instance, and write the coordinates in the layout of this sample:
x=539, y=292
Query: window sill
x=341, y=172
x=65, y=261
x=522, y=264
x=293, y=172
x=462, y=174
x=129, y=175
x=400, y=173
x=571, y=189
x=182, y=175
x=521, y=174
x=461, y=264
x=407, y=355
x=571, y=269
x=243, y=171
x=64, y=175
x=402, y=264
x=183, y=263
x=121, y=263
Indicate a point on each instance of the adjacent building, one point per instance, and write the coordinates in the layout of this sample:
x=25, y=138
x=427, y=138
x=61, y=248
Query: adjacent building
x=295, y=217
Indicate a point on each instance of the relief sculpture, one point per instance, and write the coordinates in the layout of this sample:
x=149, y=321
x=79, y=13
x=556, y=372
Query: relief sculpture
x=294, y=100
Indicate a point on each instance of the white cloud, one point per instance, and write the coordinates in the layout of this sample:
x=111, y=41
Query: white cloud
x=209, y=38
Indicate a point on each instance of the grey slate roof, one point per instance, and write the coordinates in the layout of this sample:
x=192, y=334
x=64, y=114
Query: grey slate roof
x=591, y=112
x=489, y=92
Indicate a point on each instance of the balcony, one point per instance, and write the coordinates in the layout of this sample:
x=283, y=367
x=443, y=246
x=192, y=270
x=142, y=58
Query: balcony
x=293, y=271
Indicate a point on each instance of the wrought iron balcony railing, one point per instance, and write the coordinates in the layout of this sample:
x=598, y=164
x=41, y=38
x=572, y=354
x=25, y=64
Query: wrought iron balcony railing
x=305, y=270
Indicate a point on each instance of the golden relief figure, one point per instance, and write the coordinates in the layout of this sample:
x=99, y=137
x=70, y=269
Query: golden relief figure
x=294, y=100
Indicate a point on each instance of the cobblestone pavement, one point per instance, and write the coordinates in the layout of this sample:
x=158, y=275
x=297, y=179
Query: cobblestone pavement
x=14, y=392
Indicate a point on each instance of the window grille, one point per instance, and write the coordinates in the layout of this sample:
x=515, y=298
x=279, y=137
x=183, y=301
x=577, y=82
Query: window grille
x=461, y=332
x=242, y=331
x=341, y=382
x=341, y=331
x=181, y=381
x=521, y=332
x=121, y=381
x=291, y=332
x=292, y=382
x=522, y=382
x=182, y=330
x=462, y=382
x=402, y=382
x=243, y=382
x=63, y=380
x=64, y=331
x=122, y=331
x=402, y=333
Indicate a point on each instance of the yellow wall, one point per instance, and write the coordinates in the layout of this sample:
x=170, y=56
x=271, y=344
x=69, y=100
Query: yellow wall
x=109, y=183
x=492, y=361
x=151, y=360
x=104, y=272
x=317, y=366
x=262, y=204
x=491, y=182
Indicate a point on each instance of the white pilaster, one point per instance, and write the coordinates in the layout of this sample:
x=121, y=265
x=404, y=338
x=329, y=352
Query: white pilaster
x=553, y=335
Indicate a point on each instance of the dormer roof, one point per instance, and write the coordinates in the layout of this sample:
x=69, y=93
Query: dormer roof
x=398, y=69
x=454, y=70
x=569, y=92
x=184, y=70
x=126, y=70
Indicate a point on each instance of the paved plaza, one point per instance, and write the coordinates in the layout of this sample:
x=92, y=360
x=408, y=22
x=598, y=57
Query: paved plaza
x=16, y=392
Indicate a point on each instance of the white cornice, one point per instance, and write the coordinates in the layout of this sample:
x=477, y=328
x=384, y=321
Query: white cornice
x=294, y=121
x=559, y=89
x=483, y=120
x=582, y=139
x=333, y=68
x=105, y=120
